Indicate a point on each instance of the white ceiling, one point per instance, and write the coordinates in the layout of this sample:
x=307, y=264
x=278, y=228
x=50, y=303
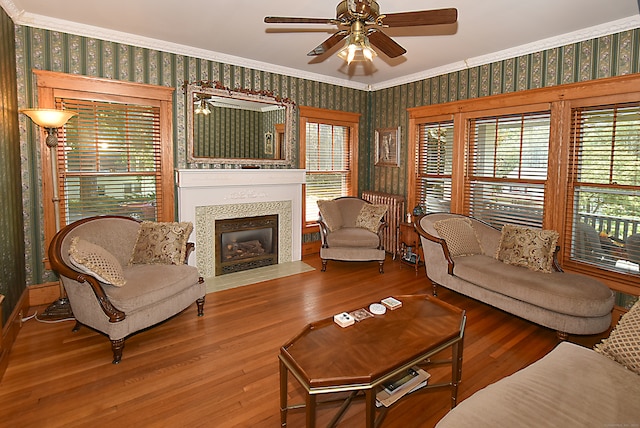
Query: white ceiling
x=233, y=31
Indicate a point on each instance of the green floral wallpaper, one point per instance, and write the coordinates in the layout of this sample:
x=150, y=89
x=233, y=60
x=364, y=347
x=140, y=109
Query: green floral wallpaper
x=12, y=276
x=55, y=51
x=612, y=55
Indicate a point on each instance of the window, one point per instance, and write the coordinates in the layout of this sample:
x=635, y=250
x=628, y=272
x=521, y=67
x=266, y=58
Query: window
x=435, y=160
x=115, y=156
x=508, y=168
x=605, y=187
x=329, y=143
x=565, y=158
x=109, y=160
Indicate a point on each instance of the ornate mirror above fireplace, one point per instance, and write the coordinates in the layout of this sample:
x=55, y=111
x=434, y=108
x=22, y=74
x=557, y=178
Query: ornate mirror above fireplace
x=238, y=127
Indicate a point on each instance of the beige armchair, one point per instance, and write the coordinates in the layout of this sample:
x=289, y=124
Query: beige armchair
x=122, y=276
x=351, y=230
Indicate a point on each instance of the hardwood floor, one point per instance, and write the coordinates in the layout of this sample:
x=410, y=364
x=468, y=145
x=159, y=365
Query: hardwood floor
x=221, y=370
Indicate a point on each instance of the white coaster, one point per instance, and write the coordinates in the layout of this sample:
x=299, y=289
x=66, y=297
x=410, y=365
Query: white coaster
x=377, y=308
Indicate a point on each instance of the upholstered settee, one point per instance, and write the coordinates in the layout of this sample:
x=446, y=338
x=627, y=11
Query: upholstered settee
x=514, y=270
x=571, y=387
x=351, y=230
x=122, y=276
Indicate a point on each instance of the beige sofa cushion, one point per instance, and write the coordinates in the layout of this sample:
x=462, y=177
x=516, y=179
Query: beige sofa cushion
x=623, y=344
x=356, y=237
x=94, y=260
x=331, y=215
x=153, y=284
x=530, y=248
x=370, y=216
x=161, y=243
x=571, y=387
x=562, y=292
x=460, y=236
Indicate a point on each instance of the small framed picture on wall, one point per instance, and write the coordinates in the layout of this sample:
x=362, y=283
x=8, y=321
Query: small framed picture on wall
x=387, y=147
x=268, y=143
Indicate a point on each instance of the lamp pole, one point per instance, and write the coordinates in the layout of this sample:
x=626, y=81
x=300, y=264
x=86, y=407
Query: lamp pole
x=50, y=120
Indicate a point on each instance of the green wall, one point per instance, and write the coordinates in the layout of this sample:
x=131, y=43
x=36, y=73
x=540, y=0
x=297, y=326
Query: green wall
x=12, y=261
x=55, y=51
x=606, y=56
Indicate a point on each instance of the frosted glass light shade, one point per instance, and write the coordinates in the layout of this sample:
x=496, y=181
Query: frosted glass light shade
x=48, y=117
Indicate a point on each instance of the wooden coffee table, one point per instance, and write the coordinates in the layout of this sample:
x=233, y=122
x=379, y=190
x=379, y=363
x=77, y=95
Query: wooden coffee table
x=326, y=358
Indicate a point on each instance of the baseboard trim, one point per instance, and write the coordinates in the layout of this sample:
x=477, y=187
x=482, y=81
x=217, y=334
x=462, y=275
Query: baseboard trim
x=43, y=294
x=11, y=329
x=312, y=247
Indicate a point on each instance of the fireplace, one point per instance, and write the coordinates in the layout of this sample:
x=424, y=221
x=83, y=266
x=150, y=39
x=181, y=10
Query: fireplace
x=208, y=195
x=246, y=243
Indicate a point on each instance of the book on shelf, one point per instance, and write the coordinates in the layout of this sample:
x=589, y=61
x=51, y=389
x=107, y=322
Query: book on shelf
x=410, y=380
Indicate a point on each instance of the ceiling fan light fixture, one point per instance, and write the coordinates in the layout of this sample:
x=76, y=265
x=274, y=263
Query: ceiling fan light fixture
x=357, y=48
x=202, y=108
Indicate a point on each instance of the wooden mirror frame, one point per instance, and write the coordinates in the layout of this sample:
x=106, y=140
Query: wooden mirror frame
x=215, y=88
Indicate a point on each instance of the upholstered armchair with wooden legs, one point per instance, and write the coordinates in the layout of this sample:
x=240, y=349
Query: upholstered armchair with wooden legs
x=351, y=230
x=122, y=276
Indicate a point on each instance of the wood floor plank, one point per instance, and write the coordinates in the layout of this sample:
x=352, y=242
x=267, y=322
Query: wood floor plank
x=222, y=370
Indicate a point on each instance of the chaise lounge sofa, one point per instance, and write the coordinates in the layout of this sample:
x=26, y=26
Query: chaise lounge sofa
x=514, y=270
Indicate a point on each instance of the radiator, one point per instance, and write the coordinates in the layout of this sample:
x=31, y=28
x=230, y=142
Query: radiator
x=395, y=216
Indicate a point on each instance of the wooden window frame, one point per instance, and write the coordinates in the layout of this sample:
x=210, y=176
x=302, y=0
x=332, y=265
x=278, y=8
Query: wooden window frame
x=419, y=175
x=52, y=85
x=470, y=176
x=560, y=99
x=330, y=117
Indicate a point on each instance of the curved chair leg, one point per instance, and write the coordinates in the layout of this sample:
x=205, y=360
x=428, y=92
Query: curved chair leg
x=200, y=303
x=76, y=327
x=324, y=265
x=562, y=336
x=381, y=267
x=117, y=346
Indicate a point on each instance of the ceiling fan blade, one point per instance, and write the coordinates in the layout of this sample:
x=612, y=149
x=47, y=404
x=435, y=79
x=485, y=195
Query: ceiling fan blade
x=423, y=17
x=329, y=43
x=385, y=43
x=286, y=20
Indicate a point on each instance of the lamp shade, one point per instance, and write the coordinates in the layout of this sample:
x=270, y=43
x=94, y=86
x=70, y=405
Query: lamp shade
x=48, y=117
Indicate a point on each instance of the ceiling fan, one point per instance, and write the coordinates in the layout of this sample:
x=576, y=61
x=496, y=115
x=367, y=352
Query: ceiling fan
x=363, y=22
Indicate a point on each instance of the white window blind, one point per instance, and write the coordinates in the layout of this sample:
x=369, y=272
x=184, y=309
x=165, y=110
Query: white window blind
x=507, y=171
x=435, y=156
x=327, y=164
x=109, y=160
x=605, y=187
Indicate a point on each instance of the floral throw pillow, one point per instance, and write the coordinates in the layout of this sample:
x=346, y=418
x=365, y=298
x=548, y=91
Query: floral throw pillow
x=459, y=235
x=623, y=343
x=161, y=243
x=370, y=216
x=530, y=248
x=94, y=260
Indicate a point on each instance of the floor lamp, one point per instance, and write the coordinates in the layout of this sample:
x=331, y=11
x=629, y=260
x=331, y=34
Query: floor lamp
x=50, y=120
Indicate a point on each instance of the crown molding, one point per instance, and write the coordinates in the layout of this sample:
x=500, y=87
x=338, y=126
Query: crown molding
x=612, y=27
x=54, y=24
x=12, y=10
x=20, y=17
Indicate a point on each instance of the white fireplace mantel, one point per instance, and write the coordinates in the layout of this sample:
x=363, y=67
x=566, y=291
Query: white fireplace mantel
x=239, y=187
